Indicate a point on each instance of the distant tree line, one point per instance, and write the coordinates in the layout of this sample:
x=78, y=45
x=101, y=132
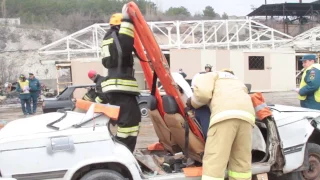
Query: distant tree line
x=72, y=15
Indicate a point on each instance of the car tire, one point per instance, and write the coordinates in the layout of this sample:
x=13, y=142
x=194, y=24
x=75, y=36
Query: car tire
x=313, y=173
x=144, y=110
x=102, y=174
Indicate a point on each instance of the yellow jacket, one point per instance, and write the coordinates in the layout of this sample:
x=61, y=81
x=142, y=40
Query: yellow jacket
x=226, y=96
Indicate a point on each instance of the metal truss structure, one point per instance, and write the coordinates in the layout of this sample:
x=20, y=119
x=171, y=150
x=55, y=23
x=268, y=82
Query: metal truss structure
x=309, y=41
x=211, y=34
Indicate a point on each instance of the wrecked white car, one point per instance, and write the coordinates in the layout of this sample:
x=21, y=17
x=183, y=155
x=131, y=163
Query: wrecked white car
x=73, y=145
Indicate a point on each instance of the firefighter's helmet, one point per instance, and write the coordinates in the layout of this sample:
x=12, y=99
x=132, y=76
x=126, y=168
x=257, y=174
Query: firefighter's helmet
x=208, y=66
x=21, y=76
x=115, y=19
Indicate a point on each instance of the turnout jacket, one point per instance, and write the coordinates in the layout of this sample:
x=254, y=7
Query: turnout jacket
x=120, y=76
x=226, y=96
x=100, y=97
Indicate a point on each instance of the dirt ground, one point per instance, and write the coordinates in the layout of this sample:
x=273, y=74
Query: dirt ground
x=147, y=135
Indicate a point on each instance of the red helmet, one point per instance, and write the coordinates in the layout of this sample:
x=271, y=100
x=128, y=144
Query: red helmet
x=92, y=73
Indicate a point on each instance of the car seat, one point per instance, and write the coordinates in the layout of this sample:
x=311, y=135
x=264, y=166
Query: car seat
x=176, y=124
x=161, y=129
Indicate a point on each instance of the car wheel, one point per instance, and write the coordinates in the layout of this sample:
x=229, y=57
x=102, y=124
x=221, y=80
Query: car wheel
x=103, y=175
x=144, y=110
x=313, y=173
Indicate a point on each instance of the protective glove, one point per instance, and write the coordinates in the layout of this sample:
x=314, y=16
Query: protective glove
x=297, y=90
x=125, y=12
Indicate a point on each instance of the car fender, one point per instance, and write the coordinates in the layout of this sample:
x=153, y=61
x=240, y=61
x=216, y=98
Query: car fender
x=294, y=134
x=126, y=159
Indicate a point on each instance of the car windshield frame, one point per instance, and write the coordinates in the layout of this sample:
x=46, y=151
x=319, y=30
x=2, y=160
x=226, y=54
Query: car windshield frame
x=62, y=92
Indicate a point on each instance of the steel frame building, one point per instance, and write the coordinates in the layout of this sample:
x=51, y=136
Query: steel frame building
x=308, y=41
x=210, y=34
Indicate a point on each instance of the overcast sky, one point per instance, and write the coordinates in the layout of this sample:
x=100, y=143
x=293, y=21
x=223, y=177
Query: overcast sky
x=231, y=7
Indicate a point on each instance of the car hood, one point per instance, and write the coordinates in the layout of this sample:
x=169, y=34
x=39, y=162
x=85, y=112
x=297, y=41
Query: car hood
x=35, y=124
x=284, y=108
x=285, y=115
x=38, y=124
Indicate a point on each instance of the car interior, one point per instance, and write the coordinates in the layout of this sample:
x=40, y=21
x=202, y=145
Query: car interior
x=171, y=131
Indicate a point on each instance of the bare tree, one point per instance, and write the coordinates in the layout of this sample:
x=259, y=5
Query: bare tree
x=3, y=9
x=3, y=70
x=8, y=70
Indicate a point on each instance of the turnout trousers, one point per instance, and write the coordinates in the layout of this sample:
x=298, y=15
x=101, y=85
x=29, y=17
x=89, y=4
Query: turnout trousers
x=228, y=141
x=129, y=118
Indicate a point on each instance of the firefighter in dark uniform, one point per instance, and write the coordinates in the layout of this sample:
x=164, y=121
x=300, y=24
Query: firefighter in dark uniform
x=120, y=87
x=94, y=93
x=90, y=95
x=97, y=79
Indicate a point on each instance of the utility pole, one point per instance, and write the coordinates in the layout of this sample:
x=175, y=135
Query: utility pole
x=265, y=2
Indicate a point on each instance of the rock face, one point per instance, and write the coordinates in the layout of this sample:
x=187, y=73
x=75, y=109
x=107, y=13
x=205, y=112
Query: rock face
x=22, y=38
x=18, y=52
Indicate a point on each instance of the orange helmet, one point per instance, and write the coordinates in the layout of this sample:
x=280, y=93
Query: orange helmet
x=115, y=19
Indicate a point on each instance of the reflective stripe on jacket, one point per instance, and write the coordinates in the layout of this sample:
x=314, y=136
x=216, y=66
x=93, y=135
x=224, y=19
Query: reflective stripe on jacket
x=120, y=85
x=310, y=83
x=261, y=108
x=98, y=100
x=109, y=50
x=119, y=81
x=226, y=95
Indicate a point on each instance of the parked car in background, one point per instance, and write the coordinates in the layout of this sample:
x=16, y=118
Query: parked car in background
x=66, y=100
x=62, y=101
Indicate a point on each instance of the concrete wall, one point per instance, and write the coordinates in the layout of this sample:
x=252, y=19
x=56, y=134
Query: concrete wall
x=237, y=64
x=208, y=57
x=283, y=71
x=80, y=70
x=188, y=60
x=278, y=74
x=259, y=79
x=222, y=59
